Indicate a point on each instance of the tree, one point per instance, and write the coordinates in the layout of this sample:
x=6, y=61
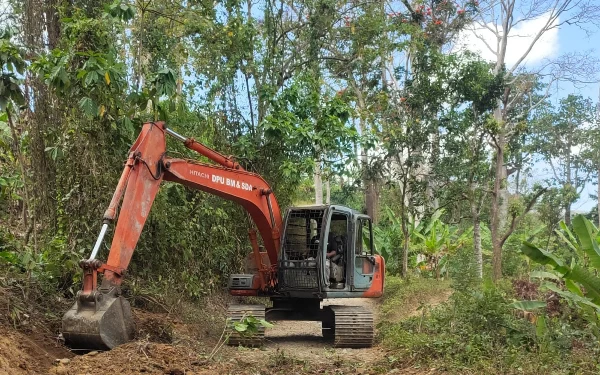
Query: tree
x=498, y=19
x=562, y=137
x=12, y=65
x=464, y=164
x=593, y=154
x=354, y=54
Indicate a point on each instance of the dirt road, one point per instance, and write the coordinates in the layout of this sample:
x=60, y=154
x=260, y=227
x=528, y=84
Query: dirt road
x=304, y=341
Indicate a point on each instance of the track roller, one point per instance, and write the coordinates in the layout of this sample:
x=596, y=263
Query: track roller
x=236, y=313
x=353, y=327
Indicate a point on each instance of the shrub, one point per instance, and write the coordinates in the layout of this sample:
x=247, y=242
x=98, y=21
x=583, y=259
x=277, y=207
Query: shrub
x=478, y=330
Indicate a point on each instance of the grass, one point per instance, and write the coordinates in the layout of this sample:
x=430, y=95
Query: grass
x=476, y=331
x=405, y=298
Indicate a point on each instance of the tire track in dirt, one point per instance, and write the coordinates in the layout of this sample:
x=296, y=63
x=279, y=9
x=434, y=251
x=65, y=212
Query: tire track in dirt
x=303, y=340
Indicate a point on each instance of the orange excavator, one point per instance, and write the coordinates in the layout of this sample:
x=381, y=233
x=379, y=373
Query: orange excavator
x=312, y=254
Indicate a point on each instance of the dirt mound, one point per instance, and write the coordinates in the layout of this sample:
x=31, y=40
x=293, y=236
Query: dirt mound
x=28, y=354
x=153, y=327
x=141, y=357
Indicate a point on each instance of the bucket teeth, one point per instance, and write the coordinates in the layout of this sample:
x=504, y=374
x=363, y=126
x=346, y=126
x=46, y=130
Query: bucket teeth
x=236, y=313
x=98, y=325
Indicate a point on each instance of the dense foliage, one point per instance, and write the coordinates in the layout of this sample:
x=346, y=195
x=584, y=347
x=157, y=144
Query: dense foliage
x=368, y=104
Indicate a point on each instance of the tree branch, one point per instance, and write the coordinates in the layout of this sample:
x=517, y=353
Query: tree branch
x=517, y=218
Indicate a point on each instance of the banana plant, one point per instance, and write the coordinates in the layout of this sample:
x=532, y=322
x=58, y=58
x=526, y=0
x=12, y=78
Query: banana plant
x=388, y=238
x=580, y=273
x=440, y=240
x=435, y=243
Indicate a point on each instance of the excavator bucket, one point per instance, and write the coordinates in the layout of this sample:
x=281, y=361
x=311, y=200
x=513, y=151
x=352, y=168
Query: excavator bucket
x=98, y=325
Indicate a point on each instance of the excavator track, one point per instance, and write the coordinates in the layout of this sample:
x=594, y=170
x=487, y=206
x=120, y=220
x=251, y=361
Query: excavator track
x=353, y=327
x=236, y=313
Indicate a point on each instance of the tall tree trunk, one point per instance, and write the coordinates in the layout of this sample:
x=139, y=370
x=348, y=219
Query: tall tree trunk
x=568, y=187
x=372, y=200
x=41, y=28
x=518, y=181
x=21, y=160
x=405, y=247
x=568, y=213
x=431, y=183
x=405, y=234
x=477, y=240
x=369, y=182
x=498, y=200
x=500, y=194
x=318, y=184
x=327, y=192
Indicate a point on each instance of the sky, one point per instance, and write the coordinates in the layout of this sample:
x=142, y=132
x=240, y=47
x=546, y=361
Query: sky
x=554, y=43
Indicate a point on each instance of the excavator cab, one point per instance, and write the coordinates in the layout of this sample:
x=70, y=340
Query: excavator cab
x=326, y=252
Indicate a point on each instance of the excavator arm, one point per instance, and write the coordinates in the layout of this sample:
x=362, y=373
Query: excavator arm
x=101, y=317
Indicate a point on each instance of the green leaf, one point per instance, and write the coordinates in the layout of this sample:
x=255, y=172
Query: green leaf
x=128, y=125
x=544, y=275
x=543, y=257
x=574, y=288
x=571, y=241
x=8, y=257
x=90, y=78
x=528, y=305
x=240, y=327
x=88, y=107
x=265, y=324
x=571, y=296
x=585, y=233
x=540, y=327
x=590, y=282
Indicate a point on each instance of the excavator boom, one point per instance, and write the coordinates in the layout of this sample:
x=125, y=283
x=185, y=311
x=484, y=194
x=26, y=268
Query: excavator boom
x=101, y=317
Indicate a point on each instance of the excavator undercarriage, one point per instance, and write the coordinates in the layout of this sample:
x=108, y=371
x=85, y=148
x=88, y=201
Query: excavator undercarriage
x=315, y=253
x=343, y=326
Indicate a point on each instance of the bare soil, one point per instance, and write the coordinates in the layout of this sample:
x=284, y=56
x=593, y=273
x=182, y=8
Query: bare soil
x=182, y=343
x=28, y=353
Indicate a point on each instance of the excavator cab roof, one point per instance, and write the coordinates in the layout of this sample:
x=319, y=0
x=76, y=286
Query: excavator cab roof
x=325, y=206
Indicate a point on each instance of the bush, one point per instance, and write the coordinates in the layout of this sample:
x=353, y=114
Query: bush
x=478, y=330
x=462, y=269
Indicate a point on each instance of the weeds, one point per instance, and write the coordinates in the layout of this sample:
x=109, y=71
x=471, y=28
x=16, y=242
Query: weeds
x=247, y=326
x=402, y=297
x=477, y=330
x=279, y=359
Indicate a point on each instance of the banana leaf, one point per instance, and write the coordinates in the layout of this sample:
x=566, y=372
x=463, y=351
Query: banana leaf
x=544, y=275
x=528, y=305
x=586, y=234
x=569, y=238
x=543, y=257
x=590, y=282
x=571, y=296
